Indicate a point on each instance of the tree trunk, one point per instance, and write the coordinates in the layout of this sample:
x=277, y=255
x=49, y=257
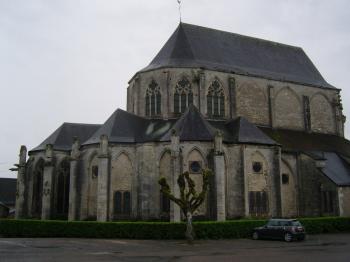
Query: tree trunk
x=189, y=228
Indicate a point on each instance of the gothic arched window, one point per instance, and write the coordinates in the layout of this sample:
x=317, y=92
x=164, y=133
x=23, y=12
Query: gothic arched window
x=63, y=181
x=216, y=100
x=38, y=188
x=183, y=96
x=153, y=99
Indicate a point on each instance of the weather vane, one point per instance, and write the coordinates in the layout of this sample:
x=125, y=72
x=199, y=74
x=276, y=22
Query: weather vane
x=179, y=2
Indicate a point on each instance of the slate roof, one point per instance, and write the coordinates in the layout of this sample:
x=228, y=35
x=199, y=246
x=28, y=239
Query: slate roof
x=336, y=168
x=124, y=127
x=62, y=137
x=192, y=46
x=303, y=141
x=334, y=150
x=8, y=191
x=191, y=126
x=245, y=132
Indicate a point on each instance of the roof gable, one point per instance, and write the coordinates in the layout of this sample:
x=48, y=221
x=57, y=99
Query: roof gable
x=191, y=126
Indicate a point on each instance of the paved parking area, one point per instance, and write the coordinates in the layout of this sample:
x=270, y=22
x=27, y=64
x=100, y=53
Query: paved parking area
x=332, y=247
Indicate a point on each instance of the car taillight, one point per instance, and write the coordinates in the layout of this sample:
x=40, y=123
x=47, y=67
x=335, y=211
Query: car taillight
x=297, y=229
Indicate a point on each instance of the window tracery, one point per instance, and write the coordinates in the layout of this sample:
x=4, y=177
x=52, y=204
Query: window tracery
x=153, y=99
x=183, y=96
x=216, y=100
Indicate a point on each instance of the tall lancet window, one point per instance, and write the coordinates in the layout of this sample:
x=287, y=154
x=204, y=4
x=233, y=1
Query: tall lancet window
x=153, y=99
x=216, y=100
x=183, y=96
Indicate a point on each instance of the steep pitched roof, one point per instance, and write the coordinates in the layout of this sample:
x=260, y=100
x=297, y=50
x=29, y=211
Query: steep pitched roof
x=62, y=138
x=124, y=127
x=191, y=127
x=8, y=191
x=200, y=47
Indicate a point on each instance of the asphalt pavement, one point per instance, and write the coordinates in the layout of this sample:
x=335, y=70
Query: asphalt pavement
x=316, y=248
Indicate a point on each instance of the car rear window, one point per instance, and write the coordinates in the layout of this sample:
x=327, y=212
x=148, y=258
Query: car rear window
x=296, y=223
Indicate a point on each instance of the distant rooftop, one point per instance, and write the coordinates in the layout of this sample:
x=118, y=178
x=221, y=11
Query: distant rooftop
x=192, y=46
x=8, y=191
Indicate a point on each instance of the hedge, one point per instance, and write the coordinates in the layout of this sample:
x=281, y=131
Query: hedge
x=156, y=230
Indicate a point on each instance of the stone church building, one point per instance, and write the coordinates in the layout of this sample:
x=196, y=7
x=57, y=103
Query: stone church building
x=256, y=112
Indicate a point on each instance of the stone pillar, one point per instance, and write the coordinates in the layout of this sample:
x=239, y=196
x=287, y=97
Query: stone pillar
x=307, y=114
x=137, y=97
x=245, y=184
x=219, y=170
x=165, y=107
x=276, y=206
x=271, y=107
x=344, y=201
x=103, y=177
x=338, y=115
x=21, y=179
x=74, y=161
x=48, y=183
x=232, y=98
x=202, y=95
x=175, y=213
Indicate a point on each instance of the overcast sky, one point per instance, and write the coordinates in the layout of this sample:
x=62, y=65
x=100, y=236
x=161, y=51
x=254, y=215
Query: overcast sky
x=70, y=60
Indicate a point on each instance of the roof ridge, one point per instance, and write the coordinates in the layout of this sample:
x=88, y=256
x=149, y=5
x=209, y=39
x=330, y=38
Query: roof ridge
x=75, y=123
x=244, y=36
x=180, y=32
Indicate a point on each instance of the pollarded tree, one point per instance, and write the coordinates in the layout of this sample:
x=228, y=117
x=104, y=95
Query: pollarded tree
x=189, y=200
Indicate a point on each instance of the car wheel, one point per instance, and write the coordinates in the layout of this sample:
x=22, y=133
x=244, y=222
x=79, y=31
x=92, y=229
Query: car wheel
x=302, y=238
x=255, y=236
x=288, y=237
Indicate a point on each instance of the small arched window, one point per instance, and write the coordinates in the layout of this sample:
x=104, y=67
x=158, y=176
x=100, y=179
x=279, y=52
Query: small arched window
x=183, y=96
x=153, y=99
x=216, y=100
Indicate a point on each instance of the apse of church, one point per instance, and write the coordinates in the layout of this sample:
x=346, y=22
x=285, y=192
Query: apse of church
x=271, y=132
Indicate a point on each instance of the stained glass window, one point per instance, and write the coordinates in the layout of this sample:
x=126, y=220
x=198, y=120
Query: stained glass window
x=216, y=100
x=153, y=100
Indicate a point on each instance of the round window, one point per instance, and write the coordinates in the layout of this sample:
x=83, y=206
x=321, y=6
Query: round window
x=195, y=167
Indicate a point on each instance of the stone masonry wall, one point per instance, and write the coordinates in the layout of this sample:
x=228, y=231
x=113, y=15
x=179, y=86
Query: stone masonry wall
x=289, y=189
x=311, y=184
x=344, y=201
x=262, y=101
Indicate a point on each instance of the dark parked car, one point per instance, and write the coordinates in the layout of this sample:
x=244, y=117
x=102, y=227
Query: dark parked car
x=286, y=229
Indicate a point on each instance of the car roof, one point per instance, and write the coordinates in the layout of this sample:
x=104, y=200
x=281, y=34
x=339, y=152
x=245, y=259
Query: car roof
x=282, y=219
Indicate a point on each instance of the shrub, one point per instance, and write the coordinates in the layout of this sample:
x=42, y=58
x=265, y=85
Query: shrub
x=321, y=225
x=156, y=230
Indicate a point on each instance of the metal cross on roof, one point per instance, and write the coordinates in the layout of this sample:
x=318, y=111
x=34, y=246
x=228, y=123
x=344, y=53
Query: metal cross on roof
x=179, y=2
